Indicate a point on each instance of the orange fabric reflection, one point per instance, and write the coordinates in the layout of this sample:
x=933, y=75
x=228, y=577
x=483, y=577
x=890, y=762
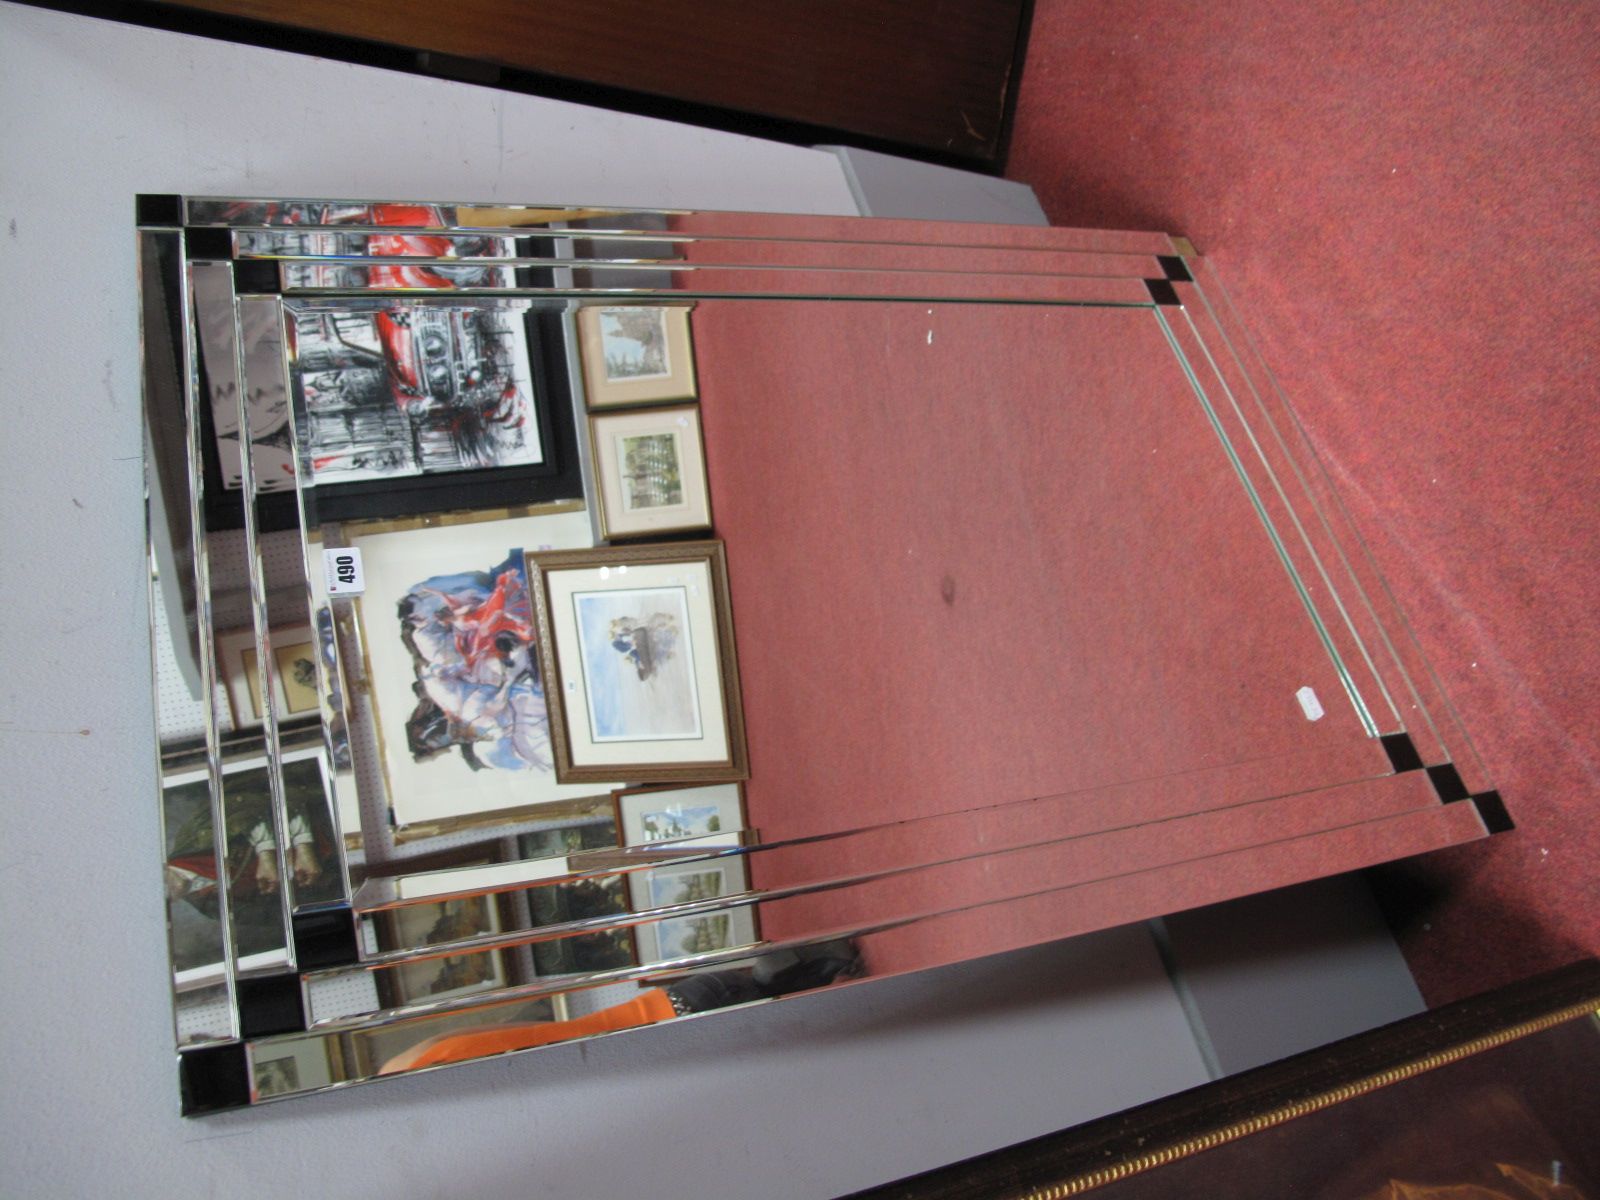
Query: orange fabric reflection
x=650, y=1007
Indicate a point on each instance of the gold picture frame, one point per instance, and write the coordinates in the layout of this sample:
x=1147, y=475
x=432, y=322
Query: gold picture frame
x=294, y=684
x=650, y=472
x=636, y=354
x=636, y=645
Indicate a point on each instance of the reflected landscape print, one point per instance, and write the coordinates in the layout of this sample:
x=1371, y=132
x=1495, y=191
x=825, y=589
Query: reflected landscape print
x=651, y=471
x=685, y=888
x=634, y=342
x=695, y=935
x=680, y=822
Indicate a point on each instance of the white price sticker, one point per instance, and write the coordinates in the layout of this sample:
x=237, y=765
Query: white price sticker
x=343, y=570
x=1309, y=704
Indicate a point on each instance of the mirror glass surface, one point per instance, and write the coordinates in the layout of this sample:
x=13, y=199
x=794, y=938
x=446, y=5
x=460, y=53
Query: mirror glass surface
x=621, y=616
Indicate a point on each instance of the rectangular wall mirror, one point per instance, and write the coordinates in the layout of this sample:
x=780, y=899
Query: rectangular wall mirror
x=566, y=620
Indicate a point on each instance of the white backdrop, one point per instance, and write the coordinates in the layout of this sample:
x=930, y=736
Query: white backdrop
x=806, y=1099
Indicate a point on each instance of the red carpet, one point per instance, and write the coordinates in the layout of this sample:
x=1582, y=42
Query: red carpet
x=1402, y=200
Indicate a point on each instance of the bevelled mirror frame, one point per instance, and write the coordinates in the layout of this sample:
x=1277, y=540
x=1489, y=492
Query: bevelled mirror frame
x=568, y=620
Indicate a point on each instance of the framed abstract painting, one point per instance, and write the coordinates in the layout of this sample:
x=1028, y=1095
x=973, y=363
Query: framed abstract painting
x=458, y=699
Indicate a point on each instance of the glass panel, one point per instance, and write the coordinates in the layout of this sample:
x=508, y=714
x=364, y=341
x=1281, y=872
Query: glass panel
x=632, y=997
x=384, y=216
x=251, y=835
x=677, y=590
x=1335, y=552
x=285, y=685
x=1153, y=807
x=201, y=951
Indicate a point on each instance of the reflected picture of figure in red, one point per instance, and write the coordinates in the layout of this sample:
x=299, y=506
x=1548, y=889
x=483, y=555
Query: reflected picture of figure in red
x=470, y=636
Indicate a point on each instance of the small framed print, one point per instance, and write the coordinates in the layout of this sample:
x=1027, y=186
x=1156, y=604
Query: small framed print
x=694, y=933
x=287, y=1066
x=637, y=645
x=418, y=925
x=650, y=472
x=655, y=814
x=636, y=354
x=294, y=691
x=607, y=949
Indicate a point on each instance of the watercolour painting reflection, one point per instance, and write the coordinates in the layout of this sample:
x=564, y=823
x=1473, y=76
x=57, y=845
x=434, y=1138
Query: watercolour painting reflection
x=637, y=655
x=638, y=641
x=650, y=471
x=460, y=702
x=694, y=933
x=647, y=815
x=636, y=354
x=633, y=343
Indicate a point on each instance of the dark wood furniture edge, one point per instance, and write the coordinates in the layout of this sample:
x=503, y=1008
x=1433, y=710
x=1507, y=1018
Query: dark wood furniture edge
x=156, y=14
x=1074, y=1161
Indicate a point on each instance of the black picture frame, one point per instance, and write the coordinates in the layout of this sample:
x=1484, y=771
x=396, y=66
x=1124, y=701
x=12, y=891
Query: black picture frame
x=558, y=477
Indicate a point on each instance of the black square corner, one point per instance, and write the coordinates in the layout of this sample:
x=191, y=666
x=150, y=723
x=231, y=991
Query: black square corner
x=1447, y=783
x=1175, y=269
x=256, y=277
x=1492, y=812
x=208, y=242
x=213, y=1079
x=270, y=1004
x=1163, y=293
x=1402, y=752
x=158, y=210
x=326, y=938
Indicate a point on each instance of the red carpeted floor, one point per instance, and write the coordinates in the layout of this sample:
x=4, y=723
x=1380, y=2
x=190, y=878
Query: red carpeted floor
x=1403, y=201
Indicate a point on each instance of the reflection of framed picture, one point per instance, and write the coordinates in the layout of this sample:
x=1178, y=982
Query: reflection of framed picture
x=577, y=900
x=457, y=697
x=283, y=1067
x=637, y=642
x=636, y=354
x=250, y=862
x=650, y=472
x=463, y=404
x=442, y=978
x=697, y=933
x=567, y=839
x=294, y=691
x=646, y=815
